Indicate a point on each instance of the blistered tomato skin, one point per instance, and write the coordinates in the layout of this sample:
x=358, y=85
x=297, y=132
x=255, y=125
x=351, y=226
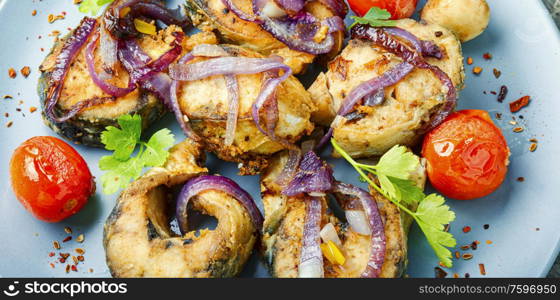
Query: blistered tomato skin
x=467, y=155
x=50, y=178
x=399, y=9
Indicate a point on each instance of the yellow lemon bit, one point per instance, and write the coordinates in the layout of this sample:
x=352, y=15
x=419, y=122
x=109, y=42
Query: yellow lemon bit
x=144, y=27
x=332, y=253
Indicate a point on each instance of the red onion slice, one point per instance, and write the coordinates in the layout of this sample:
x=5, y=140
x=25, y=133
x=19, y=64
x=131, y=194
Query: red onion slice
x=70, y=49
x=313, y=176
x=426, y=48
x=290, y=6
x=108, y=47
x=233, y=109
x=311, y=257
x=338, y=7
x=238, y=12
x=204, y=183
x=369, y=206
x=383, y=39
x=225, y=66
x=375, y=98
x=108, y=88
x=290, y=168
x=174, y=103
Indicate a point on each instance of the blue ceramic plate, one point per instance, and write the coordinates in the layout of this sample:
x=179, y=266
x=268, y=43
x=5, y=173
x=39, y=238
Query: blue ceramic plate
x=523, y=216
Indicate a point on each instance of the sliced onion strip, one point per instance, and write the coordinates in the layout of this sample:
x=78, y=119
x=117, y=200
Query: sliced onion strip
x=219, y=183
x=311, y=257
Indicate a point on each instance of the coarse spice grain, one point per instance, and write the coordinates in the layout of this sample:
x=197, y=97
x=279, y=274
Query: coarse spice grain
x=12, y=73
x=56, y=245
x=80, y=238
x=466, y=229
x=25, y=71
x=518, y=104
x=470, y=60
x=477, y=70
x=497, y=73
x=9, y=124
x=467, y=256
x=80, y=251
x=518, y=129
x=457, y=255
x=32, y=109
x=67, y=239
x=533, y=147
x=68, y=230
x=482, y=269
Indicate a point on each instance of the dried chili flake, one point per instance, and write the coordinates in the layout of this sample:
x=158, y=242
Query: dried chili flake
x=66, y=239
x=487, y=56
x=34, y=12
x=81, y=258
x=74, y=268
x=12, y=73
x=470, y=60
x=68, y=230
x=52, y=265
x=488, y=242
x=64, y=255
x=32, y=109
x=503, y=93
x=518, y=129
x=56, y=245
x=457, y=255
x=493, y=93
x=25, y=71
x=520, y=179
x=533, y=140
x=533, y=147
x=482, y=269
x=474, y=245
x=466, y=229
x=486, y=226
x=67, y=268
x=518, y=104
x=497, y=73
x=80, y=238
x=62, y=260
x=51, y=254
x=440, y=273
x=467, y=256
x=477, y=70
x=9, y=124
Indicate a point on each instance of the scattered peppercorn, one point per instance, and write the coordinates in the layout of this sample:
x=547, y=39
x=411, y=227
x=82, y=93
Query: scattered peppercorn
x=34, y=12
x=438, y=33
x=467, y=275
x=51, y=254
x=466, y=229
x=474, y=245
x=518, y=104
x=520, y=179
x=486, y=226
x=477, y=70
x=9, y=124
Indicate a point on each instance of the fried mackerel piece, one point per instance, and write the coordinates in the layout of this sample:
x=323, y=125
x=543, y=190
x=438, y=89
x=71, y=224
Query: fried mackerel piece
x=138, y=240
x=283, y=231
x=213, y=15
x=205, y=103
x=86, y=127
x=406, y=107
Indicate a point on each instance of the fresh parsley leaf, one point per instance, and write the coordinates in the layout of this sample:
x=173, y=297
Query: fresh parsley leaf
x=156, y=153
x=121, y=167
x=398, y=162
x=375, y=17
x=119, y=173
x=406, y=191
x=123, y=140
x=392, y=171
x=92, y=6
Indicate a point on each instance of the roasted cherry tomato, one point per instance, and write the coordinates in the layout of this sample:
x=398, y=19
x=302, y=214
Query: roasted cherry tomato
x=467, y=155
x=399, y=9
x=50, y=178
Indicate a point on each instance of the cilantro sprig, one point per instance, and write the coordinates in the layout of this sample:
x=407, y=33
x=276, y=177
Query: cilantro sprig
x=393, y=173
x=92, y=6
x=375, y=17
x=121, y=166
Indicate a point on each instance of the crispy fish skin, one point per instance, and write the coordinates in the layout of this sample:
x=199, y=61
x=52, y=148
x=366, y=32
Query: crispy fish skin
x=283, y=231
x=212, y=15
x=139, y=243
x=86, y=127
x=408, y=104
x=205, y=103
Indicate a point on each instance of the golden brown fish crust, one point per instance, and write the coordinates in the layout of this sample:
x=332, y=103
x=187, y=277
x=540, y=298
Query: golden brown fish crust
x=408, y=104
x=139, y=243
x=212, y=15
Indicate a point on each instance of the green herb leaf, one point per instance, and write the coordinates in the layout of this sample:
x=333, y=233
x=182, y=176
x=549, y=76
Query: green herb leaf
x=375, y=17
x=92, y=6
x=123, y=141
x=398, y=162
x=431, y=215
x=121, y=166
x=156, y=153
